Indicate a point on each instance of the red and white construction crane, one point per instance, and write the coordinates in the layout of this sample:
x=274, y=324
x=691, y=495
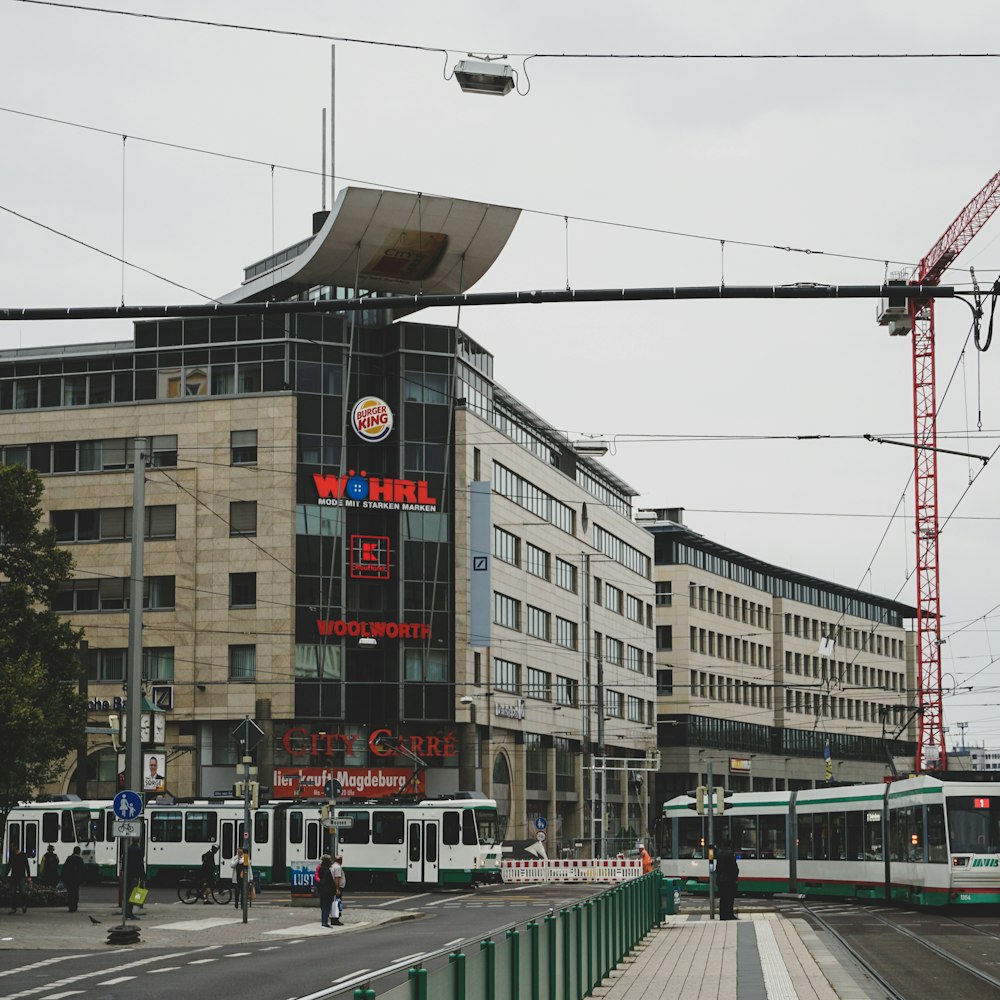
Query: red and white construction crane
x=931, y=750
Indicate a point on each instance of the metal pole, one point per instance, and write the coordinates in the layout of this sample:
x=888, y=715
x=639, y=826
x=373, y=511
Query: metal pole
x=588, y=748
x=599, y=797
x=245, y=846
x=323, y=169
x=711, y=840
x=333, y=127
x=133, y=685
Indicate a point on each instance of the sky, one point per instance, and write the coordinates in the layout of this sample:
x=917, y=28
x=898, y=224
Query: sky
x=630, y=172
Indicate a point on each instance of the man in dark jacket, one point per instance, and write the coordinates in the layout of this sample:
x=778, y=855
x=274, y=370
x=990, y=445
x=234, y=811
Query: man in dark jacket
x=48, y=867
x=727, y=876
x=20, y=876
x=72, y=876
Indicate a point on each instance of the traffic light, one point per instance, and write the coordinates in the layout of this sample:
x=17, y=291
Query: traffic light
x=719, y=795
x=238, y=789
x=701, y=794
x=332, y=788
x=254, y=794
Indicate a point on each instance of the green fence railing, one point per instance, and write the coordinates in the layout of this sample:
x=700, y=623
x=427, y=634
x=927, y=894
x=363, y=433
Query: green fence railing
x=562, y=956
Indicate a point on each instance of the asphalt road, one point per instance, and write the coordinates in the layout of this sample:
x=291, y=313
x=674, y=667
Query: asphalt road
x=276, y=970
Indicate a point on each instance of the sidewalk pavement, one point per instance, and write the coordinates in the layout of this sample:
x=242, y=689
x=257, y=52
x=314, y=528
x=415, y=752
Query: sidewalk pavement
x=763, y=956
x=174, y=924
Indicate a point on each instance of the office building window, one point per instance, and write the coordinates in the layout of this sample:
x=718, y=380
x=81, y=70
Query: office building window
x=243, y=447
x=634, y=709
x=506, y=675
x=613, y=650
x=506, y=611
x=566, y=691
x=613, y=598
x=614, y=704
x=566, y=633
x=665, y=682
x=535, y=771
x=633, y=658
x=539, y=623
x=242, y=590
x=633, y=608
x=536, y=561
x=242, y=663
x=506, y=546
x=158, y=663
x=664, y=637
x=565, y=575
x=664, y=593
x=243, y=517
x=537, y=684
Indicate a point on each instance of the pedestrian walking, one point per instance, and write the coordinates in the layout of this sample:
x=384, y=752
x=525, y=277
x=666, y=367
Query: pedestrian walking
x=48, y=867
x=136, y=876
x=20, y=879
x=340, y=881
x=72, y=876
x=327, y=891
x=727, y=876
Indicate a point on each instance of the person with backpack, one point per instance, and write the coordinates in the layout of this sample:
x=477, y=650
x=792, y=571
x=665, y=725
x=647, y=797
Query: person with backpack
x=208, y=873
x=48, y=867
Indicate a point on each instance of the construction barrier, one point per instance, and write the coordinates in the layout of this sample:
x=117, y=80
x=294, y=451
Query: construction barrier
x=571, y=870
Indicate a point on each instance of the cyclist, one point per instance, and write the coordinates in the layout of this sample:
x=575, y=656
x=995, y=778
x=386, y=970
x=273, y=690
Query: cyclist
x=207, y=879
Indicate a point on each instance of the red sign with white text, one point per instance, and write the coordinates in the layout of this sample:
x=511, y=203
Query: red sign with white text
x=355, y=782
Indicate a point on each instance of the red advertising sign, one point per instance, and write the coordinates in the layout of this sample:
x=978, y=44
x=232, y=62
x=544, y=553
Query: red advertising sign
x=355, y=782
x=369, y=557
x=358, y=489
x=372, y=630
x=299, y=741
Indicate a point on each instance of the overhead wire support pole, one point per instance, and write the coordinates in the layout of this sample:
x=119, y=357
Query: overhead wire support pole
x=530, y=297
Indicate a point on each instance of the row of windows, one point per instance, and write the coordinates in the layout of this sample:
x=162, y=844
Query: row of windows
x=849, y=638
x=728, y=647
x=623, y=553
x=537, y=562
x=835, y=707
x=512, y=486
x=819, y=666
x=599, y=488
x=158, y=663
x=112, y=524
x=112, y=594
x=729, y=606
x=729, y=689
x=99, y=455
x=615, y=599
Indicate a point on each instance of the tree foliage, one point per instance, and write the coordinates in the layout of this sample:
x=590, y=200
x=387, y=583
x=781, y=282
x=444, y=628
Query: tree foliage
x=41, y=711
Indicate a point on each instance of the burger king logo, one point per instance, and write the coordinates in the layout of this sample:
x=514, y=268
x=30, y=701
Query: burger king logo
x=371, y=419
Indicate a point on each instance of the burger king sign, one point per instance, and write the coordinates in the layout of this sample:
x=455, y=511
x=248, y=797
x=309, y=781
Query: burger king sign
x=371, y=419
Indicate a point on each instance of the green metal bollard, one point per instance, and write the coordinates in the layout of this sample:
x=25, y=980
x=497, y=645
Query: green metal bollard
x=550, y=933
x=457, y=960
x=588, y=905
x=578, y=944
x=363, y=993
x=490, y=968
x=418, y=983
x=514, y=936
x=564, y=917
x=532, y=929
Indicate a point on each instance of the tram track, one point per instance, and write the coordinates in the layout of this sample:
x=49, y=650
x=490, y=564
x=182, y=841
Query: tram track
x=911, y=966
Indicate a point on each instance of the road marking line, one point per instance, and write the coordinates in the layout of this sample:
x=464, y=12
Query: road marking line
x=273, y=947
x=169, y=968
x=115, y=982
x=68, y=993
x=351, y=975
x=203, y=961
x=403, y=899
x=410, y=958
x=450, y=943
x=237, y=954
x=42, y=964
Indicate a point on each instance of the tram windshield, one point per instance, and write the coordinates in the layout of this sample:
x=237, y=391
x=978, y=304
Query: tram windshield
x=489, y=829
x=974, y=824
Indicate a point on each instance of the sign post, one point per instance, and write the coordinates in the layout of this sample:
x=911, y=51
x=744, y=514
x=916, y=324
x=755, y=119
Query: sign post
x=127, y=807
x=248, y=734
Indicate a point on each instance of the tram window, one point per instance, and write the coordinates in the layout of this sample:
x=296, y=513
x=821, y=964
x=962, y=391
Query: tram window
x=75, y=825
x=805, y=833
x=200, y=827
x=838, y=836
x=937, y=850
x=469, y=836
x=900, y=821
x=261, y=832
x=31, y=839
x=821, y=837
x=414, y=854
x=486, y=821
x=50, y=827
x=974, y=824
x=356, y=833
x=96, y=828
x=165, y=827
x=449, y=827
x=295, y=827
x=916, y=838
x=689, y=842
x=855, y=836
x=744, y=836
x=772, y=837
x=387, y=826
x=13, y=838
x=109, y=822
x=312, y=841
x=430, y=841
x=873, y=836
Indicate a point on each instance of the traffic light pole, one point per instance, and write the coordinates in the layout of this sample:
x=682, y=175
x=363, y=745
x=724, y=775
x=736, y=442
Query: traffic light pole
x=711, y=843
x=245, y=846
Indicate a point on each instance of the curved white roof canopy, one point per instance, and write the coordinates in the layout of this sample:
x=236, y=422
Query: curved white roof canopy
x=387, y=241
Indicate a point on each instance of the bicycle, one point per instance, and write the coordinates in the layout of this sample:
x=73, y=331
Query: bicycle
x=192, y=890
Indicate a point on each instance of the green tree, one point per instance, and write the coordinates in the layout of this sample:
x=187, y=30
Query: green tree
x=41, y=712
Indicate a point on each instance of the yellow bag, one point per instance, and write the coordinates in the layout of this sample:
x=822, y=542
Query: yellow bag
x=138, y=895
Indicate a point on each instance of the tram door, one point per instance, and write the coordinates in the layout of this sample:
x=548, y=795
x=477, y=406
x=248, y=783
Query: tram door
x=230, y=840
x=422, y=839
x=23, y=833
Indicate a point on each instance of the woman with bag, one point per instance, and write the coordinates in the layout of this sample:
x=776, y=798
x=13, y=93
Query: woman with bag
x=326, y=890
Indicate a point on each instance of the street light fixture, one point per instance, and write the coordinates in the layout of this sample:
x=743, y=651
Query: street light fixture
x=481, y=76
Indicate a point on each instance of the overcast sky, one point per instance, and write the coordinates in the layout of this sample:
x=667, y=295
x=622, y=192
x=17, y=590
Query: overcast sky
x=869, y=159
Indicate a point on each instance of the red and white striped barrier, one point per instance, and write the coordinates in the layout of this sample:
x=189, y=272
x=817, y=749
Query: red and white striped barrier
x=571, y=870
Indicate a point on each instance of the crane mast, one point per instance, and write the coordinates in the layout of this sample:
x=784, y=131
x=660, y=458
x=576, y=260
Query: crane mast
x=931, y=749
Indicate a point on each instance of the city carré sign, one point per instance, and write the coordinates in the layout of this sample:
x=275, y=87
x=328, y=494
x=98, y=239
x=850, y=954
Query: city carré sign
x=298, y=741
